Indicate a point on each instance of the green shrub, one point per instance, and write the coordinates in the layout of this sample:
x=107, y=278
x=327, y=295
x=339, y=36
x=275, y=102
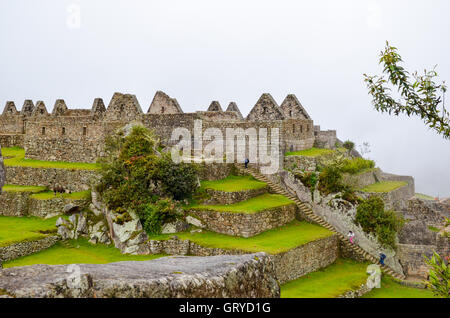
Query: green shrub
x=374, y=219
x=133, y=175
x=330, y=180
x=349, y=145
x=355, y=165
x=154, y=215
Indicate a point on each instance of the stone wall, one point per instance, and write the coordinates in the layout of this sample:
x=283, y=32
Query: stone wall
x=224, y=197
x=73, y=180
x=325, y=138
x=245, y=224
x=397, y=199
x=17, y=250
x=21, y=204
x=2, y=171
x=12, y=140
x=243, y=276
x=289, y=265
x=358, y=181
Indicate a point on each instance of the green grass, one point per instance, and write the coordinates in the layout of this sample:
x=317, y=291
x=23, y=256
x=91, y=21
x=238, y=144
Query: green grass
x=24, y=229
x=312, y=152
x=274, y=241
x=21, y=188
x=16, y=158
x=250, y=206
x=384, y=186
x=234, y=184
x=48, y=195
x=391, y=289
x=424, y=196
x=77, y=252
x=342, y=276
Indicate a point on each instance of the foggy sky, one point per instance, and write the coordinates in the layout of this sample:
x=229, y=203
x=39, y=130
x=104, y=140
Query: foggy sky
x=199, y=51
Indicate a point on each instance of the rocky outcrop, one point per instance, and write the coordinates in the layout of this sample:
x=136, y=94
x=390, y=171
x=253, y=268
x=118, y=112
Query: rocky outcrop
x=251, y=275
x=84, y=224
x=2, y=171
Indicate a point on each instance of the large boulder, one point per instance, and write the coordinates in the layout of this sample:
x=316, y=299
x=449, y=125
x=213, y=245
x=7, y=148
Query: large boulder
x=236, y=276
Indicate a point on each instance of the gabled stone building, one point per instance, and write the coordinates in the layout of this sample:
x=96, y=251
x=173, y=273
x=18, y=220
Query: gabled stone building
x=78, y=135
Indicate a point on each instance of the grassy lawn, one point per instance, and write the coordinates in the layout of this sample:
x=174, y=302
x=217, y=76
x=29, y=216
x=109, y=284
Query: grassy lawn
x=77, y=251
x=21, y=188
x=22, y=229
x=17, y=159
x=424, y=196
x=313, y=152
x=384, y=186
x=48, y=195
x=391, y=289
x=330, y=282
x=250, y=206
x=234, y=184
x=273, y=241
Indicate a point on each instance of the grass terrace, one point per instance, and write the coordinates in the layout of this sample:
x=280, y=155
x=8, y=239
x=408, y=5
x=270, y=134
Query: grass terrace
x=77, y=252
x=384, y=186
x=330, y=282
x=424, y=196
x=391, y=289
x=24, y=229
x=48, y=195
x=254, y=205
x=16, y=158
x=274, y=241
x=21, y=188
x=312, y=152
x=234, y=184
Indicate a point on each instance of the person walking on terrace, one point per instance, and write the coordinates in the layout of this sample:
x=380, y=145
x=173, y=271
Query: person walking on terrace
x=351, y=236
x=246, y=163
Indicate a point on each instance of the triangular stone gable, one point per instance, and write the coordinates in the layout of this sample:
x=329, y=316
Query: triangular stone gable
x=232, y=107
x=28, y=107
x=40, y=109
x=60, y=108
x=123, y=107
x=98, y=107
x=266, y=109
x=163, y=104
x=292, y=108
x=215, y=107
x=10, y=109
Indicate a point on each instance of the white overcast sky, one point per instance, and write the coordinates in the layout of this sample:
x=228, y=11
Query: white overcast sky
x=199, y=51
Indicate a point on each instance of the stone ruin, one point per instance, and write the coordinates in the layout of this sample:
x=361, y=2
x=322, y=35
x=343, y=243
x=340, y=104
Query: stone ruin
x=78, y=135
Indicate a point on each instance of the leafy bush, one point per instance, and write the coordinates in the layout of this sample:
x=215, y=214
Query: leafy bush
x=373, y=218
x=178, y=180
x=349, y=145
x=154, y=215
x=356, y=165
x=330, y=180
x=132, y=174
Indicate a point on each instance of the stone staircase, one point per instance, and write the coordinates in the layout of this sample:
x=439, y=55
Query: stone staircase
x=306, y=210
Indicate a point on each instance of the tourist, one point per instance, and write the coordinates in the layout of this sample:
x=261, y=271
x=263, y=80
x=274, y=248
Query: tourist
x=351, y=235
x=382, y=258
x=246, y=163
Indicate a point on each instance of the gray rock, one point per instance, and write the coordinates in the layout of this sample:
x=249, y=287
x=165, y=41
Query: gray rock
x=194, y=221
x=250, y=275
x=174, y=227
x=82, y=227
x=71, y=208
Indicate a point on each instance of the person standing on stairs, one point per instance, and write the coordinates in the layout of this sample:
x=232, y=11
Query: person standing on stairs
x=246, y=163
x=382, y=258
x=351, y=235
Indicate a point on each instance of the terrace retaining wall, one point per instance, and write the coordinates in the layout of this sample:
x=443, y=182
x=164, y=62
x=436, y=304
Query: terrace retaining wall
x=224, y=197
x=289, y=265
x=245, y=224
x=13, y=251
